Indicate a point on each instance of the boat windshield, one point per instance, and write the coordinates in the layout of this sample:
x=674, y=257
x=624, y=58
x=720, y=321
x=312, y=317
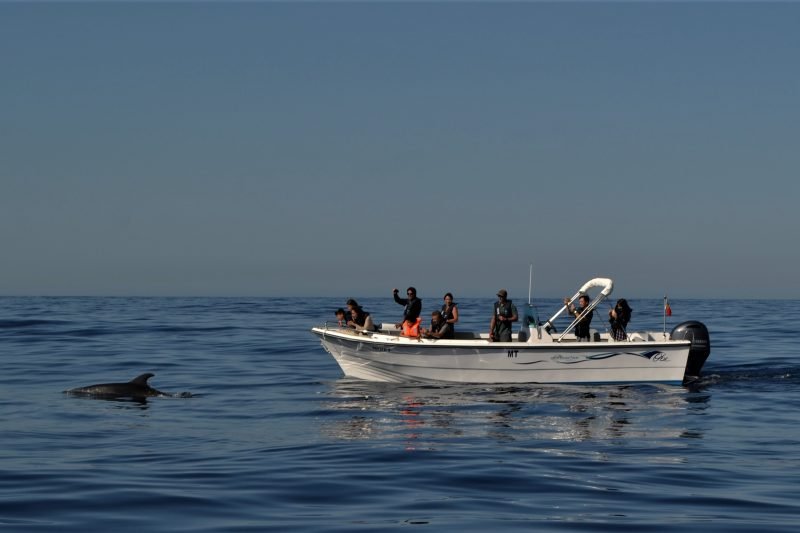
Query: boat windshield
x=530, y=316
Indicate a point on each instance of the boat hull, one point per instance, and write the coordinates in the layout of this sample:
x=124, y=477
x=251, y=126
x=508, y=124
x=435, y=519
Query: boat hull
x=388, y=358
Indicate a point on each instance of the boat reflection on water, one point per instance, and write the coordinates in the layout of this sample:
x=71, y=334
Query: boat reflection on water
x=429, y=417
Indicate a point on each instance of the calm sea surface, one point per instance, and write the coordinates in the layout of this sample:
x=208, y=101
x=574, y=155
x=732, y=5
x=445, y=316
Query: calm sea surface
x=274, y=439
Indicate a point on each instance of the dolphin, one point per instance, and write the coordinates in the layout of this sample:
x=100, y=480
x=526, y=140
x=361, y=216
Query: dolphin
x=137, y=388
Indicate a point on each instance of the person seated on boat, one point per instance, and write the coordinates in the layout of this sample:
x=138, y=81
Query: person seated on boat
x=351, y=304
x=341, y=318
x=440, y=328
x=413, y=305
x=582, y=330
x=450, y=310
x=619, y=318
x=359, y=319
x=505, y=313
x=411, y=329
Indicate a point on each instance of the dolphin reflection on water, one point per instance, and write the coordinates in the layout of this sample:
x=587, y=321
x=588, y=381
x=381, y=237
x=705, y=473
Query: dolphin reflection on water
x=136, y=389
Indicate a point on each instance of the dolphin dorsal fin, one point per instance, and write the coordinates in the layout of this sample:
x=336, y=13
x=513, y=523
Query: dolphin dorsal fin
x=142, y=380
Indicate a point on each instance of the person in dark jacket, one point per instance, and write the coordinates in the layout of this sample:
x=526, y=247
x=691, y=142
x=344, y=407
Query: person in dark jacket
x=619, y=318
x=413, y=306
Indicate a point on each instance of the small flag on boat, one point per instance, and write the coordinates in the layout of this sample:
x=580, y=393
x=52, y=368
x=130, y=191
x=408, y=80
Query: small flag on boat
x=667, y=308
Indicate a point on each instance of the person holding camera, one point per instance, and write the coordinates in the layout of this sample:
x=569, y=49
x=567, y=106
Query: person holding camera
x=582, y=331
x=619, y=318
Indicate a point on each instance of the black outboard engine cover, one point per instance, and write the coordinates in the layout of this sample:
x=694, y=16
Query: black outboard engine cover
x=697, y=333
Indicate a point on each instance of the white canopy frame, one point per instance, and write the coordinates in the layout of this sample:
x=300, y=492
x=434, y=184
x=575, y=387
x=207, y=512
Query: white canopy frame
x=607, y=285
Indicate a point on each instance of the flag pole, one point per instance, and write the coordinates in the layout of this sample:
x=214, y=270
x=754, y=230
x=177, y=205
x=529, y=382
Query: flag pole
x=530, y=283
x=664, y=310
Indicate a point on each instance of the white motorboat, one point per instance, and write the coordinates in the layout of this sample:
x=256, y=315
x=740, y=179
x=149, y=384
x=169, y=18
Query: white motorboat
x=539, y=354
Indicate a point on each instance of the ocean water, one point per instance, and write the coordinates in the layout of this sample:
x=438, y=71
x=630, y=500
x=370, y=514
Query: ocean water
x=274, y=439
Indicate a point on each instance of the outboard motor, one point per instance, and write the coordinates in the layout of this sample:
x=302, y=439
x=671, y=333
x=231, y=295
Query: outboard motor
x=697, y=333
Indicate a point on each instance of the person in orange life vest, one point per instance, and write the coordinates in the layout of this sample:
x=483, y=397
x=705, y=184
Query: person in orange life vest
x=411, y=329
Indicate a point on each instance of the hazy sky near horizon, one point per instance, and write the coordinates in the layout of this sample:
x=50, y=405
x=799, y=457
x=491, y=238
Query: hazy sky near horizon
x=348, y=148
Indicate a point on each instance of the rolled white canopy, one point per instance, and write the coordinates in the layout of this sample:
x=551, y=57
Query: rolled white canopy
x=607, y=285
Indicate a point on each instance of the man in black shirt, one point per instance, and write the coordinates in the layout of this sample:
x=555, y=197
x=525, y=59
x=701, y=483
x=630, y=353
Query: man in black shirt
x=582, y=327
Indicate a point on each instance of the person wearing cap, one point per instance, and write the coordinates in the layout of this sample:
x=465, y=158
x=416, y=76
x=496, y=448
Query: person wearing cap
x=505, y=313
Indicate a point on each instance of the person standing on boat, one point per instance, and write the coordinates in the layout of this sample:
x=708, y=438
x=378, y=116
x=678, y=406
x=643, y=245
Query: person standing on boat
x=582, y=331
x=440, y=328
x=413, y=306
x=619, y=318
x=450, y=310
x=505, y=313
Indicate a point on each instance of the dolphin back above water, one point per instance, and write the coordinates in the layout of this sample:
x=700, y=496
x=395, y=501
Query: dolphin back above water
x=137, y=388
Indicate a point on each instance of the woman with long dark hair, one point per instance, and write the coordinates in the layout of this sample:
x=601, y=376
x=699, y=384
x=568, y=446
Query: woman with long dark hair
x=450, y=310
x=619, y=318
x=359, y=319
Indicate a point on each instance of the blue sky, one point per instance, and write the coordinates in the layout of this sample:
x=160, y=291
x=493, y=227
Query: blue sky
x=345, y=149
